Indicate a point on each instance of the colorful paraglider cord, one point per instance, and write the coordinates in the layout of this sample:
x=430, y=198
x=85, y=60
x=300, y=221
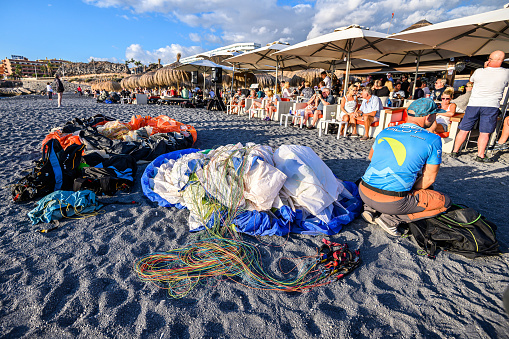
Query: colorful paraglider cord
x=179, y=271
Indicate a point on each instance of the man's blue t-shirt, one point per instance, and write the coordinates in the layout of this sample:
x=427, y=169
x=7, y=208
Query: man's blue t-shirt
x=399, y=154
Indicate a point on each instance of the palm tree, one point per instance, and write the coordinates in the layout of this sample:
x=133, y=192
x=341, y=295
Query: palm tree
x=17, y=71
x=137, y=64
x=93, y=63
x=49, y=66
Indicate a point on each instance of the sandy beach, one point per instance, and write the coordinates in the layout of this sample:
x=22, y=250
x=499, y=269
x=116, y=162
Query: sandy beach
x=78, y=281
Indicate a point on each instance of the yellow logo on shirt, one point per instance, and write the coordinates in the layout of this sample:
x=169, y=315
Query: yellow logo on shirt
x=398, y=149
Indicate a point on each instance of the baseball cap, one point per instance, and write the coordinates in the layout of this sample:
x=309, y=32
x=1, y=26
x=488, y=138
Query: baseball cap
x=423, y=107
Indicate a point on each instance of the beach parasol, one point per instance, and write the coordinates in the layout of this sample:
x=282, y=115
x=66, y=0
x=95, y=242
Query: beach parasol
x=264, y=58
x=348, y=43
x=478, y=34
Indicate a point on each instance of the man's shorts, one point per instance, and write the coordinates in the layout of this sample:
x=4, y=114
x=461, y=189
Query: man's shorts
x=487, y=117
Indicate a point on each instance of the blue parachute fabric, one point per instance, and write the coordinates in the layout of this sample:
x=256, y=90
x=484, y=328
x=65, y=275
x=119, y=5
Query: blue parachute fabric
x=150, y=173
x=60, y=204
x=285, y=220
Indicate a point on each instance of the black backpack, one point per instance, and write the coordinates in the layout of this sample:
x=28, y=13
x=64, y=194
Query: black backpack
x=55, y=171
x=115, y=173
x=461, y=230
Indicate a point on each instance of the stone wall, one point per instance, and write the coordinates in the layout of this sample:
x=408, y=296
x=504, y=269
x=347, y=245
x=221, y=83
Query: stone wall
x=96, y=67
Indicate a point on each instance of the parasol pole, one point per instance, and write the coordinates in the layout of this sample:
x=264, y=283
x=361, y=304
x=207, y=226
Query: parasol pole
x=277, y=71
x=416, y=71
x=347, y=73
x=233, y=76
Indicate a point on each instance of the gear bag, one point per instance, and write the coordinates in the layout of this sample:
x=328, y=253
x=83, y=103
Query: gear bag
x=108, y=177
x=461, y=230
x=55, y=171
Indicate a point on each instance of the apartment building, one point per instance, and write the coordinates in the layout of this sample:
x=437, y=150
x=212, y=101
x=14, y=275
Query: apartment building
x=20, y=66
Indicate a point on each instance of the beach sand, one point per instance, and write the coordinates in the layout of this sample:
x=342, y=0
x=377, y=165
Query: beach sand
x=78, y=281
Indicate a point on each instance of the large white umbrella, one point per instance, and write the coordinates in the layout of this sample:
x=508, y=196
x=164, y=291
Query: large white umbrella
x=478, y=34
x=348, y=43
x=264, y=57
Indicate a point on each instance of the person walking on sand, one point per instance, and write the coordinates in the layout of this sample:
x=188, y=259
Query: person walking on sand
x=483, y=105
x=59, y=86
x=49, y=90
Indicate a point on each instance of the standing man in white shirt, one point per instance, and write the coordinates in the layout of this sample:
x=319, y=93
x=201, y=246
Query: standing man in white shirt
x=326, y=79
x=489, y=83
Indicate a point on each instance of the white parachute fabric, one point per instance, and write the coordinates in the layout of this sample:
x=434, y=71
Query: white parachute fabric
x=250, y=177
x=310, y=184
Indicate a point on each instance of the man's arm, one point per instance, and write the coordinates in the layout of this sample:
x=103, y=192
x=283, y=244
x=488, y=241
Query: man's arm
x=370, y=154
x=429, y=175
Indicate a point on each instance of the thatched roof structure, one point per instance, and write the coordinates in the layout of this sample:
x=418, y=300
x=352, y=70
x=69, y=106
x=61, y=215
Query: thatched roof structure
x=240, y=80
x=418, y=24
x=265, y=80
x=110, y=86
x=131, y=82
x=147, y=79
x=168, y=76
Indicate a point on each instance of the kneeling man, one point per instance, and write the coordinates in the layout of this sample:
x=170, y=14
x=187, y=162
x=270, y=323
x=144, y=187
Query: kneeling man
x=405, y=160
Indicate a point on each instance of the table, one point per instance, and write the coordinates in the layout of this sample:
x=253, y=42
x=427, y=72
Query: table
x=327, y=122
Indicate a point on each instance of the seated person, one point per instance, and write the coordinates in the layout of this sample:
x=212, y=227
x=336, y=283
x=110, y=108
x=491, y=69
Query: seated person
x=307, y=92
x=173, y=92
x=237, y=101
x=260, y=94
x=348, y=107
x=270, y=105
x=323, y=98
x=439, y=89
x=185, y=93
x=103, y=96
x=392, y=189
x=442, y=121
x=398, y=92
x=321, y=85
x=502, y=142
x=369, y=112
x=257, y=103
x=425, y=89
x=252, y=94
x=462, y=101
x=380, y=90
x=419, y=92
x=299, y=89
x=286, y=91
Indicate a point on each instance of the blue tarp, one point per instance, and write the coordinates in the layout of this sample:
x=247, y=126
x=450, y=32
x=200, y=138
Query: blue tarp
x=280, y=222
x=69, y=203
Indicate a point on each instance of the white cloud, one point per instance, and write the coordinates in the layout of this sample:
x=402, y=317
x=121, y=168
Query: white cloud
x=229, y=21
x=331, y=14
x=263, y=21
x=114, y=60
x=167, y=54
x=194, y=37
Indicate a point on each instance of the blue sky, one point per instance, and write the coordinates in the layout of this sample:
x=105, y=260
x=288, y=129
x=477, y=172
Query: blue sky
x=146, y=30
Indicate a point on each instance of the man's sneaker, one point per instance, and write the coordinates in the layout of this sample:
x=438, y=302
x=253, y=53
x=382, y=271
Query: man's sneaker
x=501, y=147
x=392, y=230
x=455, y=154
x=485, y=159
x=364, y=138
x=368, y=217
